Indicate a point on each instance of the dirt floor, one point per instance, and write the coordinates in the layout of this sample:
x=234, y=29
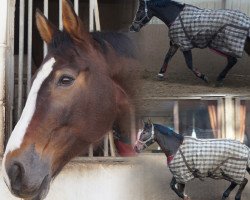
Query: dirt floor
x=175, y=85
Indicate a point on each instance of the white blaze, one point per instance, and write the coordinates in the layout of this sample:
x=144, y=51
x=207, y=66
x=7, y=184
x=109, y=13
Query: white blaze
x=19, y=131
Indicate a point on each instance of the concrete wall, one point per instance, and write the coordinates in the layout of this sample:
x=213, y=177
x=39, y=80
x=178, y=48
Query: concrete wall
x=92, y=180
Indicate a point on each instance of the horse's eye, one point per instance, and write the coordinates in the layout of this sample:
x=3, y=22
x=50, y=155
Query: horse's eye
x=66, y=80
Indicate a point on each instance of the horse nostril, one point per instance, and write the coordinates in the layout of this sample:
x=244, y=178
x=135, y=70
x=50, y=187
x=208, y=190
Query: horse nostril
x=136, y=149
x=15, y=174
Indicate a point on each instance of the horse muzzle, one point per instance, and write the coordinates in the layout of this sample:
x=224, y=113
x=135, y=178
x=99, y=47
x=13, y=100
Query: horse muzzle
x=28, y=175
x=138, y=148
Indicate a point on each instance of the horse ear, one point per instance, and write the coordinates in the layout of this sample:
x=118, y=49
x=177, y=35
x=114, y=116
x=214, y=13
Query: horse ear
x=46, y=29
x=142, y=123
x=149, y=121
x=72, y=24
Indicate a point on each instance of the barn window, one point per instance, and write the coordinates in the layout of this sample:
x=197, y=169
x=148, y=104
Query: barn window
x=200, y=117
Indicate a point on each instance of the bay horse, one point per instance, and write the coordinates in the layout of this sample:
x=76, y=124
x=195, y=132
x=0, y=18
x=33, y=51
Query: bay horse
x=82, y=89
x=225, y=31
x=190, y=158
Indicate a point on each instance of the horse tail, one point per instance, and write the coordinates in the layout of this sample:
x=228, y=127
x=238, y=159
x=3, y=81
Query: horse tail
x=247, y=45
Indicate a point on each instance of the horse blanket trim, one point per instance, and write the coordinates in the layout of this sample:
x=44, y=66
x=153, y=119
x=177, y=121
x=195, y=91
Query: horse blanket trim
x=223, y=30
x=214, y=158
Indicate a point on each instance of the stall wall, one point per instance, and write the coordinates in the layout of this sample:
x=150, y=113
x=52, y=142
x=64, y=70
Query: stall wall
x=92, y=181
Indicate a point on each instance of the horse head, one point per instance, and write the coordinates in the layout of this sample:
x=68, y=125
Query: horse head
x=143, y=15
x=145, y=137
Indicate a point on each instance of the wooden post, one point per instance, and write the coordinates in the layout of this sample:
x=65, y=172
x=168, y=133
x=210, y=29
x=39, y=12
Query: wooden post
x=238, y=120
x=229, y=118
x=3, y=50
x=10, y=70
x=20, y=57
x=221, y=118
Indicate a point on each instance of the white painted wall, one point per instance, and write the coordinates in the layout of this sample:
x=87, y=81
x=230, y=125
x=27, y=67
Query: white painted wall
x=92, y=181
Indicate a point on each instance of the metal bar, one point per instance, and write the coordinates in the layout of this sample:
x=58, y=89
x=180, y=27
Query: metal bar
x=111, y=143
x=91, y=28
x=91, y=150
x=30, y=21
x=176, y=116
x=46, y=14
x=20, y=60
x=106, y=145
x=76, y=6
x=97, y=16
x=91, y=15
x=3, y=49
x=133, y=132
x=60, y=15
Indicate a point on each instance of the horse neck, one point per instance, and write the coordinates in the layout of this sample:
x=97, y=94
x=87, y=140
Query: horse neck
x=168, y=13
x=168, y=143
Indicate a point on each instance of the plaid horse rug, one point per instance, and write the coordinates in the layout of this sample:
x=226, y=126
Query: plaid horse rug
x=215, y=158
x=223, y=30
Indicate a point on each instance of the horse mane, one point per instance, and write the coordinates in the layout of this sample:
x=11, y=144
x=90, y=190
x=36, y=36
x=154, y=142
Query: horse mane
x=163, y=3
x=168, y=132
x=120, y=42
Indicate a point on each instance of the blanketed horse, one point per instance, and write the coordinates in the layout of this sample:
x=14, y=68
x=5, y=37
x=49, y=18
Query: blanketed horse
x=81, y=91
x=225, y=31
x=190, y=158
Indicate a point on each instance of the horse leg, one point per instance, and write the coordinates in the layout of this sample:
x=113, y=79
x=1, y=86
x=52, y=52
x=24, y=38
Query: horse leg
x=247, y=46
x=171, y=52
x=231, y=61
x=241, y=188
x=229, y=190
x=189, y=61
x=178, y=190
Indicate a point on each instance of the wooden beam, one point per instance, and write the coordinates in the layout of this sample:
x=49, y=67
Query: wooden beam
x=3, y=50
x=229, y=118
x=224, y=4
